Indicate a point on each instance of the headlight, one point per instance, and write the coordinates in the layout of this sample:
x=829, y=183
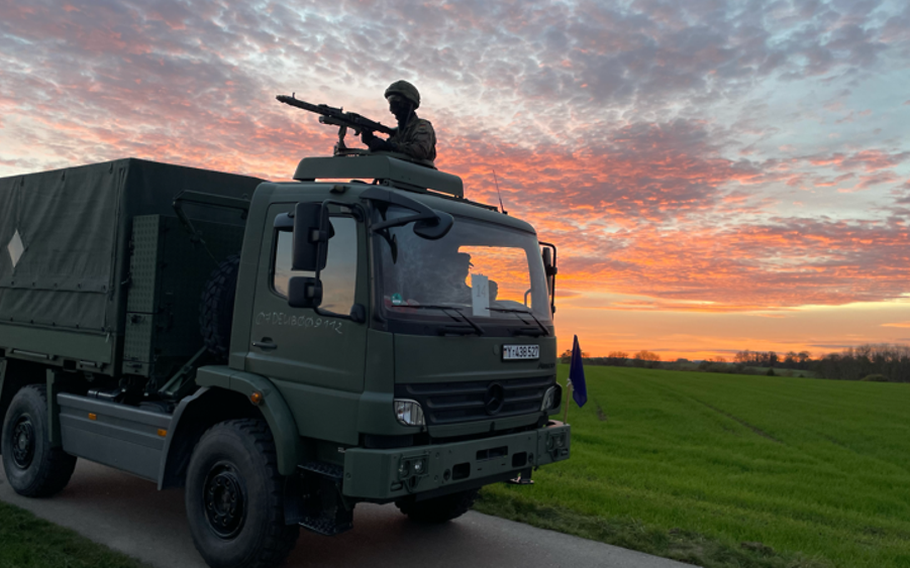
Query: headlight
x=551, y=398
x=409, y=412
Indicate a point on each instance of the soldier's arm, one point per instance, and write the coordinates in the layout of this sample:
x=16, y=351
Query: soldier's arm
x=375, y=143
x=421, y=146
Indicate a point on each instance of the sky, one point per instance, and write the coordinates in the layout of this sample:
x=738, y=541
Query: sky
x=718, y=175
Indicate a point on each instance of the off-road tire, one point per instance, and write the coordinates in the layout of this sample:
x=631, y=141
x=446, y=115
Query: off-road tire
x=439, y=509
x=216, y=309
x=33, y=468
x=237, y=459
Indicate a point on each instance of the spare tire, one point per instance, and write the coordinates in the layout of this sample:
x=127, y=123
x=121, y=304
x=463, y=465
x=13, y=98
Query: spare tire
x=217, y=308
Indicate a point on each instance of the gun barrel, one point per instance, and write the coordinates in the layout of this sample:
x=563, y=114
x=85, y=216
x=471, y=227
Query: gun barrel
x=337, y=116
x=303, y=104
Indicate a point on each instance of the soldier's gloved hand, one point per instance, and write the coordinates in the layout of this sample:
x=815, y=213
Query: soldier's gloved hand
x=378, y=145
x=366, y=136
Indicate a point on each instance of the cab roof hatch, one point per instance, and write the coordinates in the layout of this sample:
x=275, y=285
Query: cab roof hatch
x=385, y=170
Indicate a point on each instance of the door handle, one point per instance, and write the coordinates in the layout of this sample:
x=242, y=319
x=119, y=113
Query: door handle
x=266, y=344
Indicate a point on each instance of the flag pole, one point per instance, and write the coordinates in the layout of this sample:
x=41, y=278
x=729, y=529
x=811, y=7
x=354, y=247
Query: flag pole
x=565, y=418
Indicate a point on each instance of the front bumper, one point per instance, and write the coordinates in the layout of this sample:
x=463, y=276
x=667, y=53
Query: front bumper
x=386, y=475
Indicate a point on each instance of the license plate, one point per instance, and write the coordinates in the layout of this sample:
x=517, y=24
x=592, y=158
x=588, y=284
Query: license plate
x=513, y=352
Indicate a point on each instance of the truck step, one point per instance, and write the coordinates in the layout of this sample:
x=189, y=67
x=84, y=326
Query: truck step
x=327, y=525
x=327, y=469
x=323, y=508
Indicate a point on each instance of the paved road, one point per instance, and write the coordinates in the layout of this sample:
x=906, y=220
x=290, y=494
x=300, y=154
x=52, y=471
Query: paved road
x=130, y=515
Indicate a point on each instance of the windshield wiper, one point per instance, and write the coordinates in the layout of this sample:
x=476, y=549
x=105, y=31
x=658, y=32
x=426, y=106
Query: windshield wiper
x=458, y=311
x=545, y=331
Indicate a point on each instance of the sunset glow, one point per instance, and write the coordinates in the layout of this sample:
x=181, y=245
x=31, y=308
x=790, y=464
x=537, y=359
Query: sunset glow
x=718, y=176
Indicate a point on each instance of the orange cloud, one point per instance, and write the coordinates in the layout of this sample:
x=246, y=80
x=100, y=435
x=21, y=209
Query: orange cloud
x=633, y=136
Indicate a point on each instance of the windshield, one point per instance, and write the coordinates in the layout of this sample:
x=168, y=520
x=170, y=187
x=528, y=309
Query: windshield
x=479, y=271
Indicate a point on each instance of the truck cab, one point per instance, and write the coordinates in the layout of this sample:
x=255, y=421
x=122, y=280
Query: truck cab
x=379, y=338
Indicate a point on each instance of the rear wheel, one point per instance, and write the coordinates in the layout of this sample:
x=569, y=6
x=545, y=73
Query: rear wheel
x=438, y=509
x=234, y=498
x=33, y=468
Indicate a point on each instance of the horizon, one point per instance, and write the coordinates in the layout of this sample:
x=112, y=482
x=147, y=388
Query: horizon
x=718, y=176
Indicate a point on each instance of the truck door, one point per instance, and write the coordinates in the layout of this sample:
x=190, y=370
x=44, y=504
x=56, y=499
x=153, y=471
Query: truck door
x=309, y=354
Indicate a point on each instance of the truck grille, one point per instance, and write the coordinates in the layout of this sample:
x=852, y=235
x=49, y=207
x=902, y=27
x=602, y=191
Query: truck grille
x=448, y=403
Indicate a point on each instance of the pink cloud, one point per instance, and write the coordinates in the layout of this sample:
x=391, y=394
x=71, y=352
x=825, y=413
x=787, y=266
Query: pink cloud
x=600, y=121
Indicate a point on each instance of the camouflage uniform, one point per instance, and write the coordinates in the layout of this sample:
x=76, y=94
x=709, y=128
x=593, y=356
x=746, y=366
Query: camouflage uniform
x=418, y=139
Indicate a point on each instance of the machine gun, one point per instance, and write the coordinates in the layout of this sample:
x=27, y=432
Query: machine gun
x=337, y=117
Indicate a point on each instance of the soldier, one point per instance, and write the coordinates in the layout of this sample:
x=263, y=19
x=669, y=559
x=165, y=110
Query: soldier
x=414, y=136
x=447, y=283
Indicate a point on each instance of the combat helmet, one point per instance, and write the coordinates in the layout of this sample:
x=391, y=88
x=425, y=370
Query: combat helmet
x=406, y=90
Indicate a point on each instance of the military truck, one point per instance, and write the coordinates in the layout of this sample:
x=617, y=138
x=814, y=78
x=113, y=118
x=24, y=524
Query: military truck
x=283, y=351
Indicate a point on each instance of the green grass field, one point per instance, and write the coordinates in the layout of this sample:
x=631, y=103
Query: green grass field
x=819, y=471
x=29, y=542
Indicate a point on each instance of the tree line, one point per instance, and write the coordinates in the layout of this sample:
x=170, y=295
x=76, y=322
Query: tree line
x=883, y=363
x=792, y=360
x=872, y=362
x=617, y=359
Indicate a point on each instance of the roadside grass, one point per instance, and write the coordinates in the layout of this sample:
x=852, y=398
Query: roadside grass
x=730, y=470
x=29, y=542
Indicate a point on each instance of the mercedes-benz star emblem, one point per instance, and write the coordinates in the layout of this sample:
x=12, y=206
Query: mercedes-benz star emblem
x=494, y=399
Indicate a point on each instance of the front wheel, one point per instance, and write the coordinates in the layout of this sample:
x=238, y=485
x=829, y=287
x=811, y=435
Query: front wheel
x=438, y=509
x=33, y=467
x=234, y=498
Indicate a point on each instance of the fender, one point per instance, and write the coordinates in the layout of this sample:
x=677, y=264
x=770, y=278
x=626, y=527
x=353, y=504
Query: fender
x=273, y=408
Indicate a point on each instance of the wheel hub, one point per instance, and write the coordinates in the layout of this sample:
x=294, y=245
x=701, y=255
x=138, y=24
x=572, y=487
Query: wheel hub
x=23, y=442
x=224, y=501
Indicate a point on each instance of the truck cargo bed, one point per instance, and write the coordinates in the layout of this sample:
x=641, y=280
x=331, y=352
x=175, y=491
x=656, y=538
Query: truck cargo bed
x=68, y=251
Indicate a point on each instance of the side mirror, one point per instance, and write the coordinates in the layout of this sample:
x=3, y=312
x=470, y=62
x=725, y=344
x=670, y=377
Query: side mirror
x=428, y=223
x=312, y=231
x=436, y=228
x=304, y=292
x=548, y=261
x=549, y=266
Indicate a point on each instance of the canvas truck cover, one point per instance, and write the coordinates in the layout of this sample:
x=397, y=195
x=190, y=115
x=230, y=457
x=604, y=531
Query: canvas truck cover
x=64, y=238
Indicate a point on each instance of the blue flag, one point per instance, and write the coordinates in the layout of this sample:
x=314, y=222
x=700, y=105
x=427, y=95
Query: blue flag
x=577, y=376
